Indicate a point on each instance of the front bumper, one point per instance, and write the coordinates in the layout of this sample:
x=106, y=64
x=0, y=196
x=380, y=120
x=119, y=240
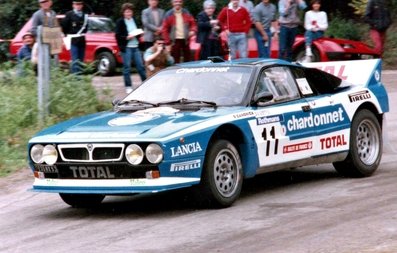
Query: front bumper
x=112, y=186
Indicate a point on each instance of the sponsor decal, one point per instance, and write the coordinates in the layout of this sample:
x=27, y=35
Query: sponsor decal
x=137, y=182
x=335, y=70
x=132, y=119
x=269, y=119
x=186, y=149
x=203, y=70
x=358, y=96
x=298, y=147
x=46, y=168
x=190, y=165
x=243, y=114
x=333, y=141
x=91, y=172
x=315, y=120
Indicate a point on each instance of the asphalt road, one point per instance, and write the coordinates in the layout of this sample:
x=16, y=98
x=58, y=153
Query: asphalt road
x=310, y=209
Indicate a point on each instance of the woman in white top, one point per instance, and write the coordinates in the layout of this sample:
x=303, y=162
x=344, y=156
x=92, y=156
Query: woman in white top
x=316, y=22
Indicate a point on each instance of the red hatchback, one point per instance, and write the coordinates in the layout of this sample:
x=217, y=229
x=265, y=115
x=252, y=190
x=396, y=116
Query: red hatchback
x=101, y=44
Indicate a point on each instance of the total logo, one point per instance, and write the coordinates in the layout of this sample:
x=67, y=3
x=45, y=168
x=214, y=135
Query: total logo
x=186, y=149
x=333, y=141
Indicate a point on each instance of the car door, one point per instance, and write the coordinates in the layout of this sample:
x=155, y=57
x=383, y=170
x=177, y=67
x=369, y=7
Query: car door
x=328, y=115
x=280, y=126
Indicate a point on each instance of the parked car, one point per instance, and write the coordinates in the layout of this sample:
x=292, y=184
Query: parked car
x=261, y=115
x=101, y=44
x=324, y=49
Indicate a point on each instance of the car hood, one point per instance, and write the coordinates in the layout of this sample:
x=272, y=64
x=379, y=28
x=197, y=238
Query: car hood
x=154, y=123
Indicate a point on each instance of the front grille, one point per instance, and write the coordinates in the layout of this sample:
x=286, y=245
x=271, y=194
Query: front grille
x=91, y=152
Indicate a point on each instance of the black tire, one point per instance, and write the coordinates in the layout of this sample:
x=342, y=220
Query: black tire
x=366, y=146
x=106, y=63
x=222, y=177
x=300, y=55
x=82, y=200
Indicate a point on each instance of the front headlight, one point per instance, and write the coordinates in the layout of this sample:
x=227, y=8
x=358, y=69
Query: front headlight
x=134, y=154
x=50, y=154
x=36, y=153
x=154, y=153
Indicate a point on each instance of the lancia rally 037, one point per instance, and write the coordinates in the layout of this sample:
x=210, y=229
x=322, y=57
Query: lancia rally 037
x=209, y=125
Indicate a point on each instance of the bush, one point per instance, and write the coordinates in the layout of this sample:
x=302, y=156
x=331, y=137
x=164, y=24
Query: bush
x=70, y=96
x=339, y=27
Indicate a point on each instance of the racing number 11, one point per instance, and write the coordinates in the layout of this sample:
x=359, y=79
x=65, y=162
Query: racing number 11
x=267, y=136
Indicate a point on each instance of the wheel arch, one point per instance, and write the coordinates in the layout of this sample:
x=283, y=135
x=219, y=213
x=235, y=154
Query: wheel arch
x=245, y=146
x=371, y=107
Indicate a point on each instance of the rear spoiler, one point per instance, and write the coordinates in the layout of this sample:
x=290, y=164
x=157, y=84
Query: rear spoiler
x=359, y=72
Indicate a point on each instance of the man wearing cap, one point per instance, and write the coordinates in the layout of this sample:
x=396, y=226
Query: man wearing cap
x=24, y=54
x=75, y=26
x=44, y=16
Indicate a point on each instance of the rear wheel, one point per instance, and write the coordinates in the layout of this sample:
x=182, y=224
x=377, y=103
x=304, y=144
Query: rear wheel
x=365, y=147
x=222, y=177
x=106, y=63
x=82, y=200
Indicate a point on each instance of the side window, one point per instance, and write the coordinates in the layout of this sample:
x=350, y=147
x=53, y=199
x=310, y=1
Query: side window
x=304, y=83
x=280, y=83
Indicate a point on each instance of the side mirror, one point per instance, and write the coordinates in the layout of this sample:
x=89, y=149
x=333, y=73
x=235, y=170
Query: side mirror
x=115, y=101
x=263, y=97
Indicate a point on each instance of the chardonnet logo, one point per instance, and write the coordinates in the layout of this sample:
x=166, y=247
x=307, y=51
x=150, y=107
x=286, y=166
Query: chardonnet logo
x=316, y=120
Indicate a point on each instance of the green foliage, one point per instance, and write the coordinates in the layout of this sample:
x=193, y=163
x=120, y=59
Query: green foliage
x=359, y=6
x=339, y=27
x=70, y=96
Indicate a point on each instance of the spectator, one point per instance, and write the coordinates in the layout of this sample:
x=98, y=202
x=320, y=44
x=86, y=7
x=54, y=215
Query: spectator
x=208, y=31
x=75, y=25
x=264, y=14
x=289, y=21
x=316, y=23
x=24, y=53
x=44, y=16
x=126, y=37
x=157, y=57
x=377, y=15
x=236, y=21
x=247, y=4
x=152, y=19
x=178, y=27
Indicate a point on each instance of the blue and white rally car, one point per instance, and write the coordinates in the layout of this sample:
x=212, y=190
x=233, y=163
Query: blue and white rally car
x=211, y=124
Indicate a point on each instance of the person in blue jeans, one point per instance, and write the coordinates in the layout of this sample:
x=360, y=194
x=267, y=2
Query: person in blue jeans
x=76, y=23
x=263, y=15
x=289, y=22
x=316, y=22
x=126, y=37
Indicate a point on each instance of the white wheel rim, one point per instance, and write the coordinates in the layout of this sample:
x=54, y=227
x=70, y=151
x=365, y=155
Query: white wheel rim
x=226, y=173
x=368, y=142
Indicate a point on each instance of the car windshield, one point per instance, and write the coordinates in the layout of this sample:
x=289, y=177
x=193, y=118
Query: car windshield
x=221, y=85
x=100, y=24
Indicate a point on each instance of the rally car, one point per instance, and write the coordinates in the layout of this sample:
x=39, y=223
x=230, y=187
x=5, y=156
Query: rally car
x=209, y=125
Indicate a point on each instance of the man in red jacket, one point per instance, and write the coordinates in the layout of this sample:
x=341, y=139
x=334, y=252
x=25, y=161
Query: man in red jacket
x=178, y=27
x=237, y=22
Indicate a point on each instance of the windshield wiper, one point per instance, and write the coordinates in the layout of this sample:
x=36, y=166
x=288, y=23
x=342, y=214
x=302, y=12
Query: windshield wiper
x=185, y=101
x=136, y=101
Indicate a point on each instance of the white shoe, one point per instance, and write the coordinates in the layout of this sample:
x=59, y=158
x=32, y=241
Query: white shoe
x=128, y=90
x=309, y=51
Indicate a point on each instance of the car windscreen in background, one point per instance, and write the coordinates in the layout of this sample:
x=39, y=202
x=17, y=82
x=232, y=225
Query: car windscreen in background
x=100, y=24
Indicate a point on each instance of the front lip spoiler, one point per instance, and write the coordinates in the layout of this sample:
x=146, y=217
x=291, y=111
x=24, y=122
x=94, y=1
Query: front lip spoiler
x=112, y=186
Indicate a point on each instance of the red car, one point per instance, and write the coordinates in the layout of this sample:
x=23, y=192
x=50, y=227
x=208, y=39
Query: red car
x=324, y=49
x=101, y=44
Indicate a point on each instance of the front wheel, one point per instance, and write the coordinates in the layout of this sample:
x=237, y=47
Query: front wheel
x=365, y=146
x=222, y=177
x=106, y=63
x=82, y=200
